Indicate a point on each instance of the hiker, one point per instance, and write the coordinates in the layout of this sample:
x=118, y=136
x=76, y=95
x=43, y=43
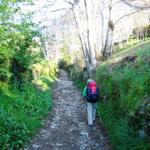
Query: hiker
x=91, y=94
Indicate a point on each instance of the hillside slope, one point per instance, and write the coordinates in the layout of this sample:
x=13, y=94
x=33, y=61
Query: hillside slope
x=125, y=94
x=132, y=51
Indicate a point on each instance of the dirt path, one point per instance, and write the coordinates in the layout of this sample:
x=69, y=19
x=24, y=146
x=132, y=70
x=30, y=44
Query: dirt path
x=66, y=127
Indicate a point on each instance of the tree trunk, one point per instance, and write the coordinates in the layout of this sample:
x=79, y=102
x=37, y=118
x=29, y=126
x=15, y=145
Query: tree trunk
x=89, y=30
x=84, y=45
x=109, y=42
x=102, y=30
x=107, y=51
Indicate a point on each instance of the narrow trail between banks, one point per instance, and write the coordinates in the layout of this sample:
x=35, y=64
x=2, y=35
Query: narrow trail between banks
x=66, y=126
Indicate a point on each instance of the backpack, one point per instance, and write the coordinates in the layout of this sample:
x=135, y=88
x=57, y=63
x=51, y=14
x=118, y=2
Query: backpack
x=92, y=92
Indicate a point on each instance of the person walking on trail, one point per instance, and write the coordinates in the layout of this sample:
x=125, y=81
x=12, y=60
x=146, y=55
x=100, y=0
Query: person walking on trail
x=91, y=94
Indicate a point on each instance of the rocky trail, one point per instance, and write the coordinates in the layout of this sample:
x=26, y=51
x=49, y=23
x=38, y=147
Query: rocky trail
x=66, y=127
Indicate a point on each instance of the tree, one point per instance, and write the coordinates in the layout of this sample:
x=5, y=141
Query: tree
x=96, y=26
x=84, y=17
x=16, y=46
x=108, y=46
x=137, y=4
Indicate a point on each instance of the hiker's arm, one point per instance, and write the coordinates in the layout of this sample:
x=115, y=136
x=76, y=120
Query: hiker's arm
x=84, y=93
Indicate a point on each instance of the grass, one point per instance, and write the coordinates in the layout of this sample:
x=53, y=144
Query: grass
x=22, y=111
x=126, y=51
x=21, y=114
x=124, y=88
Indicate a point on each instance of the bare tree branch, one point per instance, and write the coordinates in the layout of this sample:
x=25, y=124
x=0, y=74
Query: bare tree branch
x=126, y=16
x=70, y=3
x=135, y=6
x=59, y=9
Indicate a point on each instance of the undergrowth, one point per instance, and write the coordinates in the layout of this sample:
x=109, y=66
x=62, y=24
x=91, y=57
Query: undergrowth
x=125, y=87
x=22, y=111
x=124, y=90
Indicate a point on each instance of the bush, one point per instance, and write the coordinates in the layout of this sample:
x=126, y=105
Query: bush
x=25, y=89
x=21, y=111
x=124, y=88
x=21, y=114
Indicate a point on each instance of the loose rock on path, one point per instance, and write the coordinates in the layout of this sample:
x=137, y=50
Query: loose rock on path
x=66, y=127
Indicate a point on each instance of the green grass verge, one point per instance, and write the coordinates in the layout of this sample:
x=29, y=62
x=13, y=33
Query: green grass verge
x=21, y=114
x=124, y=88
x=22, y=110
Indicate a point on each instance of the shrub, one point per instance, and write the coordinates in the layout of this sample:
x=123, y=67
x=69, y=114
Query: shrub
x=21, y=111
x=124, y=88
x=21, y=114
